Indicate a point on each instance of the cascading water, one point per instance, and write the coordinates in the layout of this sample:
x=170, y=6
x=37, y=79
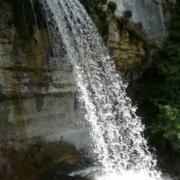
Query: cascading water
x=116, y=131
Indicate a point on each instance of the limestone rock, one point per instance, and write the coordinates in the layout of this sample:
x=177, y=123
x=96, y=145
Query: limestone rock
x=128, y=54
x=149, y=13
x=37, y=88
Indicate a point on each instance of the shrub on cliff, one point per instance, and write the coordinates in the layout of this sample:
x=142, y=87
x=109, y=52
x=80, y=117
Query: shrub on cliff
x=159, y=90
x=112, y=6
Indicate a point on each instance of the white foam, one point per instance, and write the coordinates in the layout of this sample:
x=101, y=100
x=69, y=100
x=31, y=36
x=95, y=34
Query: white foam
x=115, y=129
x=126, y=175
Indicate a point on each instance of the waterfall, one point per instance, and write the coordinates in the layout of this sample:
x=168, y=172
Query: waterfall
x=115, y=129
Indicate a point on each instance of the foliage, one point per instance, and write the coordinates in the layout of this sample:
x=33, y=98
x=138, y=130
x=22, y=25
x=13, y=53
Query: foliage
x=98, y=16
x=167, y=63
x=159, y=90
x=169, y=123
x=112, y=6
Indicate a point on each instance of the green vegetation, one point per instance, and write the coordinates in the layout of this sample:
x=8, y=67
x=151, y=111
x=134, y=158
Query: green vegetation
x=158, y=91
x=97, y=14
x=112, y=6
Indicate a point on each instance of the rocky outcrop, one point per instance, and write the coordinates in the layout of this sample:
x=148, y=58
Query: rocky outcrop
x=37, y=92
x=132, y=30
x=127, y=50
x=125, y=39
x=147, y=12
x=40, y=125
x=42, y=162
x=37, y=87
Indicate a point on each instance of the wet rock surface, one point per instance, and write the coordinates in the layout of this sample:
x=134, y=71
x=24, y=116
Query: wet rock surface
x=38, y=92
x=37, y=99
x=42, y=161
x=147, y=12
x=131, y=31
x=126, y=40
x=37, y=85
x=126, y=48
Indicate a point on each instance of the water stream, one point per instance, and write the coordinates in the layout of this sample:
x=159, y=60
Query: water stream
x=119, y=148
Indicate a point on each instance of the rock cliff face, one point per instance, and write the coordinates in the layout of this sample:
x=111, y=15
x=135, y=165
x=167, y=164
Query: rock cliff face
x=37, y=90
x=148, y=12
x=128, y=53
x=37, y=85
x=131, y=30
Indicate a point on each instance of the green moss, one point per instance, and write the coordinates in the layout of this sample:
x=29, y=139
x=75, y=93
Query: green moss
x=103, y=25
x=99, y=17
x=122, y=27
x=112, y=6
x=133, y=36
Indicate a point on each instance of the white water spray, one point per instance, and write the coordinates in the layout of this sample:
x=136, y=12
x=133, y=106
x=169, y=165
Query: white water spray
x=116, y=131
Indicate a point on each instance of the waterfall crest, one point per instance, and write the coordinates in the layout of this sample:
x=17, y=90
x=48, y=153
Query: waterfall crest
x=115, y=129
